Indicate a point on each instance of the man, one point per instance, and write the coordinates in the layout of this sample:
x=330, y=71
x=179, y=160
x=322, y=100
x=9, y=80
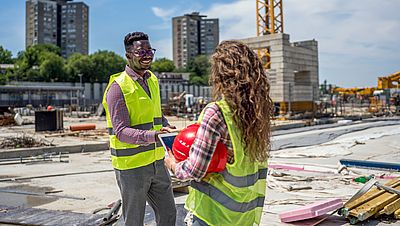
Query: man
x=134, y=119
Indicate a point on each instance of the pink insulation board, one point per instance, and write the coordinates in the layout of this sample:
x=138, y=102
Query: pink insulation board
x=311, y=211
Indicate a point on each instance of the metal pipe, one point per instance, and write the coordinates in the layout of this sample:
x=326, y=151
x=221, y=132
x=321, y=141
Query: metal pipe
x=54, y=175
x=386, y=188
x=40, y=194
x=113, y=210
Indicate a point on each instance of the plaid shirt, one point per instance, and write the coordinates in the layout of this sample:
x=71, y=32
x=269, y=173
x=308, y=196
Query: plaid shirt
x=212, y=130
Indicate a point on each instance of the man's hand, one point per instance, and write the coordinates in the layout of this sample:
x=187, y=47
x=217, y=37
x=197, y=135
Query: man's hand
x=170, y=161
x=158, y=133
x=170, y=129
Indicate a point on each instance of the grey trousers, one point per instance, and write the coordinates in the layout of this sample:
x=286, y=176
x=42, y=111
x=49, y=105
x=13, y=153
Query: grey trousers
x=151, y=183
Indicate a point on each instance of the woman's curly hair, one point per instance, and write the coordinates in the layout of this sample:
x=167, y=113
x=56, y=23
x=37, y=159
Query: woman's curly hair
x=238, y=76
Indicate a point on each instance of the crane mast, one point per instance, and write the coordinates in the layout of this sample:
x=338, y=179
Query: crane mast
x=269, y=20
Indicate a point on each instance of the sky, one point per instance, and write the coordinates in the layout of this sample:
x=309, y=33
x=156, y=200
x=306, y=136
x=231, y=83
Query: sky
x=358, y=40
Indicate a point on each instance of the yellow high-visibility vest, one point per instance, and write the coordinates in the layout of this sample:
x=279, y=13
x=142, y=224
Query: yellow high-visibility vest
x=236, y=195
x=144, y=113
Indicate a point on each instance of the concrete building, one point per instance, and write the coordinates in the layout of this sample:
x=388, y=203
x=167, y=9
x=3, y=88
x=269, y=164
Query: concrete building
x=36, y=94
x=74, y=28
x=59, y=22
x=193, y=34
x=294, y=71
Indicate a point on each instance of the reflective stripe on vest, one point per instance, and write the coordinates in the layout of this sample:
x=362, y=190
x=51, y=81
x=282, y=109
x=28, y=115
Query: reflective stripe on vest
x=225, y=200
x=245, y=181
x=132, y=151
x=145, y=126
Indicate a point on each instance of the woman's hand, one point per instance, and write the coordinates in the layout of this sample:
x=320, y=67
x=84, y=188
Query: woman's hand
x=170, y=161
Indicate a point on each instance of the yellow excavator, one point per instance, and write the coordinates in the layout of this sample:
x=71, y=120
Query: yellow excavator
x=383, y=98
x=368, y=91
x=387, y=95
x=389, y=82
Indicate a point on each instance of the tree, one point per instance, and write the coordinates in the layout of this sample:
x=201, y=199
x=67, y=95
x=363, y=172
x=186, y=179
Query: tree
x=199, y=67
x=47, y=48
x=104, y=64
x=3, y=79
x=197, y=80
x=52, y=68
x=163, y=65
x=29, y=61
x=43, y=63
x=181, y=70
x=5, y=56
x=79, y=64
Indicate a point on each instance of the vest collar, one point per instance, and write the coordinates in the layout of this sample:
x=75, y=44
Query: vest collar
x=134, y=75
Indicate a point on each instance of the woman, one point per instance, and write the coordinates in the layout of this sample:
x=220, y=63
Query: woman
x=240, y=118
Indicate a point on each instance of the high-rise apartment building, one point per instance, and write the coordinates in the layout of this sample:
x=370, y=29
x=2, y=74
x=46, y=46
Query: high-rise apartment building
x=74, y=28
x=193, y=35
x=60, y=22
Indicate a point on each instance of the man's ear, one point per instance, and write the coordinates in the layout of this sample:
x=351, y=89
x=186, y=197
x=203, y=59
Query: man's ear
x=127, y=56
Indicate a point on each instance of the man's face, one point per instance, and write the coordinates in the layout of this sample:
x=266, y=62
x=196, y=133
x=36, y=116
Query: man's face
x=140, y=55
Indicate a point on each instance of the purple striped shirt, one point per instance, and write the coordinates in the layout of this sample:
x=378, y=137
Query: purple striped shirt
x=212, y=129
x=120, y=116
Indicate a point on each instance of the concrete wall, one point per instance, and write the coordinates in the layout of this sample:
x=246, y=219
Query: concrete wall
x=294, y=67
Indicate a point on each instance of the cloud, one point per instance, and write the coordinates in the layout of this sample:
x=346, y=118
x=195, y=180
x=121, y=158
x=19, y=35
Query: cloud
x=236, y=19
x=232, y=20
x=357, y=40
x=164, y=45
x=164, y=14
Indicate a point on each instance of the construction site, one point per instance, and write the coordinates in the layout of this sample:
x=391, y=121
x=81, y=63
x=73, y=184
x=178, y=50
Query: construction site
x=334, y=157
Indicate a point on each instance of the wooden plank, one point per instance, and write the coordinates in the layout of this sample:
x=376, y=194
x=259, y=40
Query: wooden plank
x=397, y=214
x=370, y=195
x=373, y=206
x=391, y=208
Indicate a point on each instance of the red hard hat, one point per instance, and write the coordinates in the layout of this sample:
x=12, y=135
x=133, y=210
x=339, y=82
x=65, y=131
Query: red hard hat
x=184, y=140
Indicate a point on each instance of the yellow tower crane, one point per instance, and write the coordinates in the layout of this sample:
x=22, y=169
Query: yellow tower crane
x=269, y=19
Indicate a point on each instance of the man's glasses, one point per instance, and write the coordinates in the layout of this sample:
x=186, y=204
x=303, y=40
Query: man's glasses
x=144, y=52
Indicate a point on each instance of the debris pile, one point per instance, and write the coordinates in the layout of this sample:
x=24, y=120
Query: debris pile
x=22, y=141
x=378, y=201
x=6, y=120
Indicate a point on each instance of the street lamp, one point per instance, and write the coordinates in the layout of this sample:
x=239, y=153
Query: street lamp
x=80, y=79
x=80, y=90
